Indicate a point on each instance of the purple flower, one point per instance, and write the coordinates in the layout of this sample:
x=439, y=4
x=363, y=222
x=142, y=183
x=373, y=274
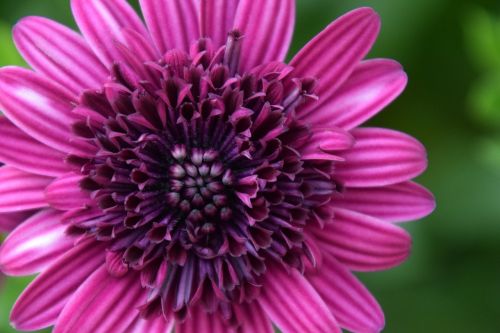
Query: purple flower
x=180, y=174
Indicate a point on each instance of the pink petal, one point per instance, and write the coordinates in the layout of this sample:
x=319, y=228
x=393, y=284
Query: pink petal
x=10, y=221
x=40, y=108
x=254, y=319
x=267, y=27
x=251, y=316
x=371, y=87
x=42, y=302
x=102, y=23
x=336, y=51
x=348, y=299
x=65, y=193
x=103, y=304
x=326, y=141
x=201, y=321
x=293, y=305
x=35, y=244
x=137, y=50
x=362, y=242
x=395, y=203
x=381, y=157
x=22, y=152
x=21, y=191
x=173, y=24
x=59, y=53
x=153, y=324
x=217, y=19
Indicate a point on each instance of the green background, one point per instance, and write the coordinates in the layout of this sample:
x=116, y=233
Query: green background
x=451, y=51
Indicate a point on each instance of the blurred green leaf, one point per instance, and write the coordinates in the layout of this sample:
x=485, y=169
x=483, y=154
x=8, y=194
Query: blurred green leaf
x=482, y=37
x=8, y=294
x=8, y=51
x=490, y=153
x=484, y=100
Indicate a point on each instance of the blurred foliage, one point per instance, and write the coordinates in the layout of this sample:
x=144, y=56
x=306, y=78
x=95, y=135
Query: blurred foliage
x=8, y=51
x=451, y=282
x=482, y=32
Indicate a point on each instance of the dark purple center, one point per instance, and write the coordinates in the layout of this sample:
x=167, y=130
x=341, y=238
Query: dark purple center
x=198, y=183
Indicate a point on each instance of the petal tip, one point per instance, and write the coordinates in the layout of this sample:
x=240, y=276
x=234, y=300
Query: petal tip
x=369, y=12
x=431, y=203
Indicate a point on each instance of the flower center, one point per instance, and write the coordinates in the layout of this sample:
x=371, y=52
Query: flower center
x=196, y=182
x=199, y=189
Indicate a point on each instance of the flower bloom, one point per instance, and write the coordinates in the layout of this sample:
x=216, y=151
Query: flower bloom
x=180, y=174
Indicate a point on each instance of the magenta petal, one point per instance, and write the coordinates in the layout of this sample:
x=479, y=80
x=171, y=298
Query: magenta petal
x=217, y=19
x=396, y=203
x=371, y=87
x=19, y=150
x=324, y=142
x=41, y=303
x=381, y=157
x=201, y=321
x=153, y=324
x=10, y=221
x=267, y=27
x=251, y=316
x=254, y=319
x=35, y=244
x=65, y=193
x=102, y=304
x=362, y=242
x=40, y=108
x=294, y=305
x=21, y=191
x=336, y=51
x=60, y=53
x=173, y=24
x=102, y=22
x=348, y=299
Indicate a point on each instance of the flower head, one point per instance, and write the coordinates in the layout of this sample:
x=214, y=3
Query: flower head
x=183, y=174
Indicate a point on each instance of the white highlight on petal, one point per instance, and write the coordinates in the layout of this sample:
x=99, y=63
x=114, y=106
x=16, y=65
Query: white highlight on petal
x=361, y=97
x=34, y=243
x=32, y=97
x=110, y=20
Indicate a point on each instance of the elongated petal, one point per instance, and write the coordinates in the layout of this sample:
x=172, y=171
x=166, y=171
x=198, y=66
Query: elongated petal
x=102, y=304
x=19, y=150
x=293, y=304
x=40, y=108
x=10, y=221
x=325, y=142
x=217, y=19
x=362, y=242
x=35, y=244
x=371, y=87
x=254, y=319
x=267, y=27
x=153, y=324
x=102, y=23
x=65, y=193
x=396, y=203
x=201, y=321
x=60, y=53
x=42, y=302
x=348, y=299
x=173, y=24
x=21, y=191
x=336, y=51
x=381, y=157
